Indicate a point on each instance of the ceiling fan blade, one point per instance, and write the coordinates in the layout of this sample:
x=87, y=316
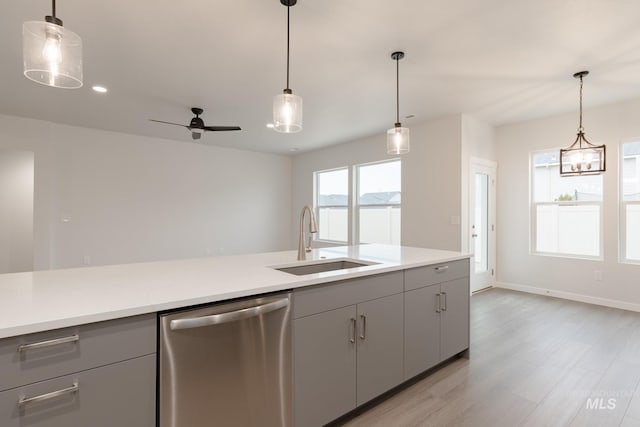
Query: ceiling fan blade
x=168, y=123
x=221, y=128
x=196, y=135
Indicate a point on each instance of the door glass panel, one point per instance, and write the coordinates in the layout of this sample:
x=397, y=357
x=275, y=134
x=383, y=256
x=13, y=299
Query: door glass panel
x=481, y=223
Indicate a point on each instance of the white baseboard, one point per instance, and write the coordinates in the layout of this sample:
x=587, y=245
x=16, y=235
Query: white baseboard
x=570, y=296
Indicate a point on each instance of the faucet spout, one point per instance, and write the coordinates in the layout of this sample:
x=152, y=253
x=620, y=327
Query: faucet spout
x=313, y=228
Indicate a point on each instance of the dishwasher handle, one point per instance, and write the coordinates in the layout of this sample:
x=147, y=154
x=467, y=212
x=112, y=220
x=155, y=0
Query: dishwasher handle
x=231, y=316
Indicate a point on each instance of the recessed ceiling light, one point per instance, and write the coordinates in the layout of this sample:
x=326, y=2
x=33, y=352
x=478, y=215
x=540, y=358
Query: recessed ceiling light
x=99, y=89
x=293, y=149
x=270, y=125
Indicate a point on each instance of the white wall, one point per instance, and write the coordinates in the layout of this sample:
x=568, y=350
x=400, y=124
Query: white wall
x=572, y=278
x=130, y=198
x=431, y=186
x=16, y=211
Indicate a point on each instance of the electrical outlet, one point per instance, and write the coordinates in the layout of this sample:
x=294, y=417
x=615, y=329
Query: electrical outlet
x=86, y=260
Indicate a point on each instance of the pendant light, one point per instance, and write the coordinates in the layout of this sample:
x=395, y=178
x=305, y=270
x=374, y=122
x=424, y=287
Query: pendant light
x=287, y=107
x=52, y=54
x=397, y=136
x=582, y=157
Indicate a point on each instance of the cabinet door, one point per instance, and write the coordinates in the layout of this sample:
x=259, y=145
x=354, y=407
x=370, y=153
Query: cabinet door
x=380, y=350
x=454, y=336
x=324, y=366
x=121, y=394
x=421, y=330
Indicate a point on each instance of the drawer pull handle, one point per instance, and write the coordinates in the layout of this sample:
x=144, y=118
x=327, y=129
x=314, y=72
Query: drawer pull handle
x=48, y=343
x=62, y=392
x=438, y=302
x=442, y=268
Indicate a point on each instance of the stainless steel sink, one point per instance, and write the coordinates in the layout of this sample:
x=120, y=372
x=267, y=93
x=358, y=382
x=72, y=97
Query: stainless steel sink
x=321, y=267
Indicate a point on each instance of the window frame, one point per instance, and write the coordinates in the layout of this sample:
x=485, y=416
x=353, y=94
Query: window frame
x=622, y=223
x=356, y=196
x=533, y=217
x=316, y=204
x=353, y=202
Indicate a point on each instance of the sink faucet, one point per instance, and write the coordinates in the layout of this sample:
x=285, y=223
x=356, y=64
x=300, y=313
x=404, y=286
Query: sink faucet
x=313, y=228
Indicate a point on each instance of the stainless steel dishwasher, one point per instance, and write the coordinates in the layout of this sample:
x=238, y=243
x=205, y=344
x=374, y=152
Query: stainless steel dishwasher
x=227, y=364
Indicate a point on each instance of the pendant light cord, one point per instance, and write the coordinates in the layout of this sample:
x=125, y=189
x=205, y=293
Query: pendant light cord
x=53, y=7
x=397, y=90
x=580, y=128
x=288, y=9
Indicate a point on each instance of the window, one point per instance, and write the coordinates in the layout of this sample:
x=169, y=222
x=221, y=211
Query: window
x=630, y=201
x=332, y=203
x=566, y=212
x=377, y=202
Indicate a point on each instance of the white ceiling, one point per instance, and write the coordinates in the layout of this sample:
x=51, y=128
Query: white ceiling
x=502, y=61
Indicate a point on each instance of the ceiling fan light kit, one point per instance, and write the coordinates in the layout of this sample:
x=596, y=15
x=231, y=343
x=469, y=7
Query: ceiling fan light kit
x=287, y=107
x=397, y=136
x=582, y=157
x=52, y=54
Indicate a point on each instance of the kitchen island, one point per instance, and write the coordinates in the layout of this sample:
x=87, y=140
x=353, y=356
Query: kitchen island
x=112, y=311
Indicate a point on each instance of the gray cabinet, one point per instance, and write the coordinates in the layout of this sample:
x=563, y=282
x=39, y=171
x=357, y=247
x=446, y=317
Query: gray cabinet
x=347, y=345
x=98, y=374
x=121, y=394
x=436, y=316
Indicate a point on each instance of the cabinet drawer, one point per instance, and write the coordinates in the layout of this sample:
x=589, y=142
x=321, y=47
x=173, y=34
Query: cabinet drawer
x=321, y=298
x=86, y=346
x=121, y=394
x=431, y=274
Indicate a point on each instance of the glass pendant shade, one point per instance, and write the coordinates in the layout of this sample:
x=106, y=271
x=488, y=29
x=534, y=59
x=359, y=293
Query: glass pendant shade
x=287, y=113
x=52, y=55
x=398, y=140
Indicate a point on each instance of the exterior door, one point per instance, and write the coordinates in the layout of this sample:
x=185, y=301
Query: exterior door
x=482, y=211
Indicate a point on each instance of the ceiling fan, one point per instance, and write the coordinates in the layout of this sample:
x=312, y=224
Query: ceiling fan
x=197, y=127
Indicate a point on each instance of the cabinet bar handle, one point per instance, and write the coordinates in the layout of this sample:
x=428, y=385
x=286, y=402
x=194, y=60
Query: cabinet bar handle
x=445, y=301
x=69, y=390
x=363, y=335
x=352, y=338
x=48, y=343
x=438, y=302
x=442, y=268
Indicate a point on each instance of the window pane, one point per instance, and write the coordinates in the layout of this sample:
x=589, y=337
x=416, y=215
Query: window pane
x=333, y=188
x=332, y=198
x=633, y=232
x=333, y=223
x=379, y=184
x=631, y=171
x=571, y=230
x=380, y=224
x=549, y=186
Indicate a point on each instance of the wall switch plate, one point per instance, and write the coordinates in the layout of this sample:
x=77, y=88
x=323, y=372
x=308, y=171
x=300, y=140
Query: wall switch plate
x=597, y=275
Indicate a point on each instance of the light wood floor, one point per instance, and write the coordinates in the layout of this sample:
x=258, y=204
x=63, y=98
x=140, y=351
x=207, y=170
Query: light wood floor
x=535, y=361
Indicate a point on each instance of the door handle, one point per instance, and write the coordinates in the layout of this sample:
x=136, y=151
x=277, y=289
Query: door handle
x=474, y=235
x=438, y=302
x=363, y=334
x=231, y=316
x=444, y=294
x=352, y=334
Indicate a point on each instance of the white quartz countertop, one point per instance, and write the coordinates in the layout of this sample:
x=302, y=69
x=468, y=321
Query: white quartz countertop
x=44, y=300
